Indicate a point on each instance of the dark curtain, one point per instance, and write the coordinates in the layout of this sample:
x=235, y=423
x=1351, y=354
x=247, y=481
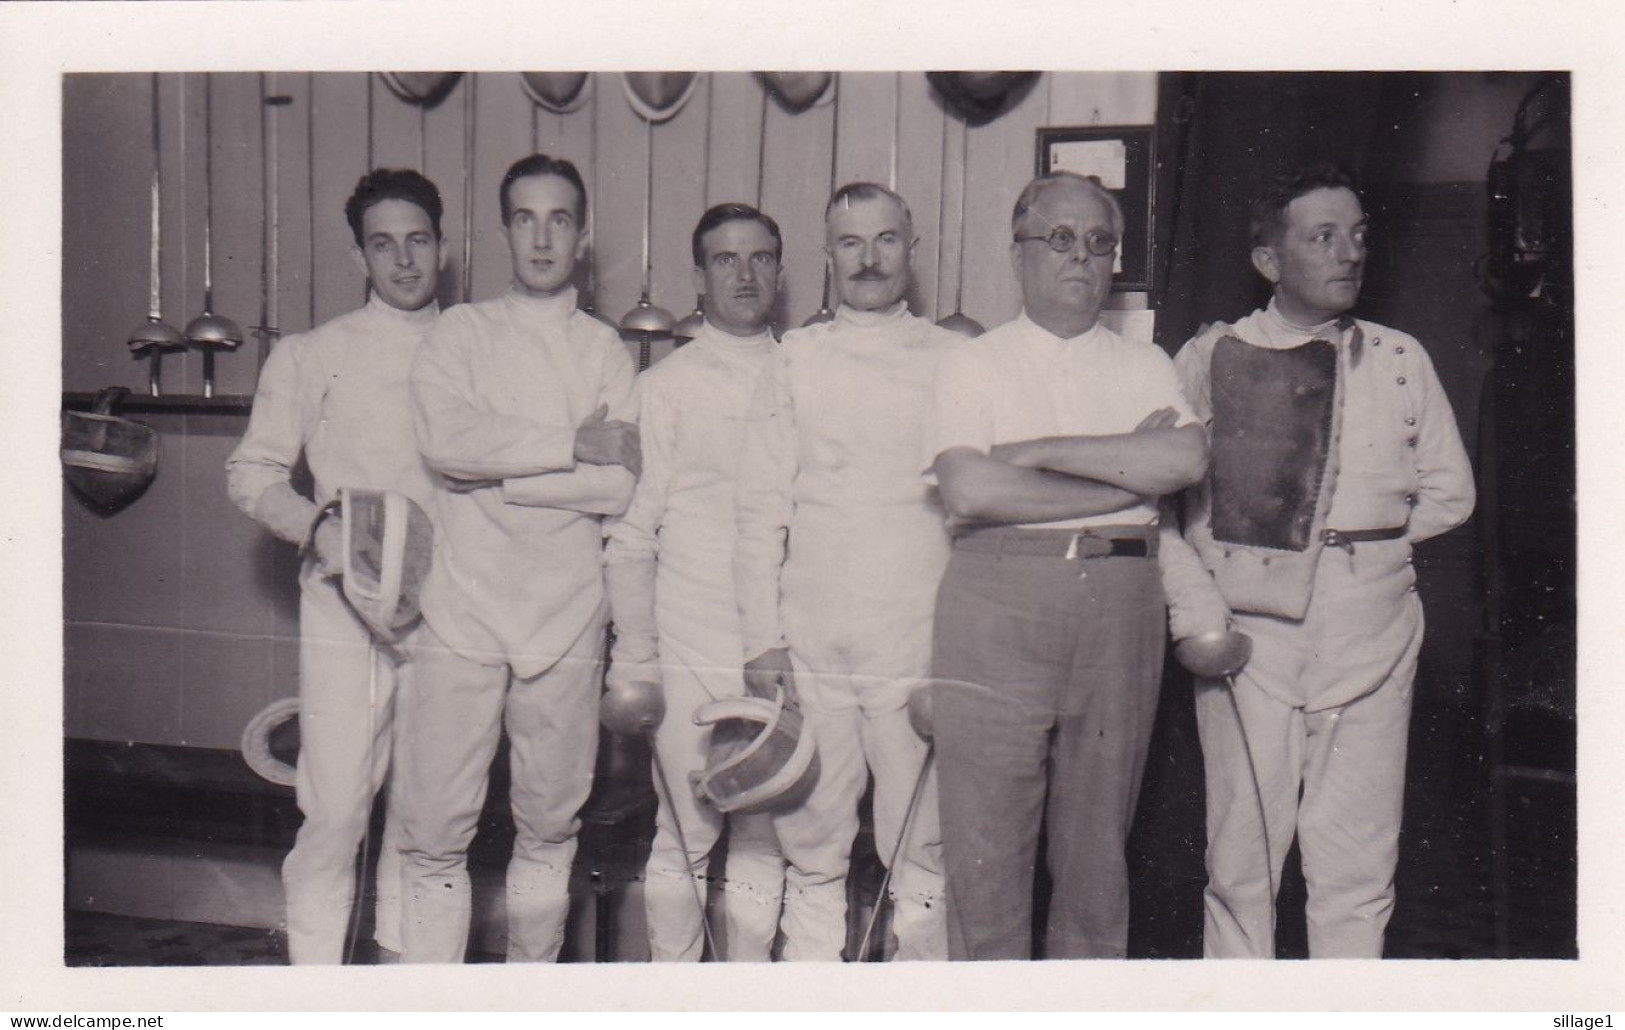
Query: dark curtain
x=1220, y=138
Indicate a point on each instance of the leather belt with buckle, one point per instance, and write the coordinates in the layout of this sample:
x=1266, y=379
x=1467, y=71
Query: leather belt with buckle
x=1060, y=544
x=1347, y=538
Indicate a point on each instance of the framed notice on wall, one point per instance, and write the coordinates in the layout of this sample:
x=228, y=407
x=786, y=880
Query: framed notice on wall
x=1120, y=157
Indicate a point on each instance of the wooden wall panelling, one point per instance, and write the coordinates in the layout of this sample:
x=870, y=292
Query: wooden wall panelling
x=956, y=243
x=618, y=210
x=1102, y=98
x=443, y=163
x=396, y=126
x=226, y=615
x=106, y=177
x=919, y=181
x=277, y=562
x=736, y=132
x=679, y=201
x=339, y=106
x=178, y=271
x=1000, y=164
x=866, y=125
x=796, y=187
x=125, y=569
x=292, y=153
x=503, y=133
x=238, y=215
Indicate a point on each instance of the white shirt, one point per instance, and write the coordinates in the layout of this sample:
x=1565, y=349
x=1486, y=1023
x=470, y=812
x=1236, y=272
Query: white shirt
x=1022, y=382
x=499, y=389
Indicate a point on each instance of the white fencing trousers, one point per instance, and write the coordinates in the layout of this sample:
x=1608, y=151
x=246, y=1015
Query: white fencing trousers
x=754, y=877
x=457, y=710
x=699, y=647
x=817, y=836
x=344, y=755
x=1349, y=762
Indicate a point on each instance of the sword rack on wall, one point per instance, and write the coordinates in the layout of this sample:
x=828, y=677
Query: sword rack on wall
x=166, y=404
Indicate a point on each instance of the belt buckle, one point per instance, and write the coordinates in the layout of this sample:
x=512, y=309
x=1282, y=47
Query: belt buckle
x=1332, y=538
x=1087, y=545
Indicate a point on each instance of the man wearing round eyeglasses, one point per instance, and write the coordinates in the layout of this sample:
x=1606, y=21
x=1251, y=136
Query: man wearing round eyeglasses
x=1052, y=440
x=1347, y=424
x=669, y=569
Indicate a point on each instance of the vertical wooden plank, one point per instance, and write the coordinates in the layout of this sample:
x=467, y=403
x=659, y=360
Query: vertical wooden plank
x=735, y=138
x=106, y=183
x=339, y=107
x=177, y=307
x=191, y=142
x=292, y=150
x=919, y=181
x=619, y=211
x=797, y=186
x=445, y=166
x=278, y=564
x=679, y=201
x=238, y=216
x=217, y=571
x=1000, y=163
x=503, y=124
x=1103, y=98
x=866, y=127
x=396, y=128
x=567, y=135
x=955, y=245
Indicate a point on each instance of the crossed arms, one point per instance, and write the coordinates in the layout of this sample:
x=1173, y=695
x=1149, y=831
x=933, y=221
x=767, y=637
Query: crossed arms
x=1066, y=477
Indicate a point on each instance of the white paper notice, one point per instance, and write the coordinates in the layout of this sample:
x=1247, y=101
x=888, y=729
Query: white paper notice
x=1106, y=159
x=1137, y=325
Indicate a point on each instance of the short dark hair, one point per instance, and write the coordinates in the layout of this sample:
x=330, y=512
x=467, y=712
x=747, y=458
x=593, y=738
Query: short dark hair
x=724, y=213
x=868, y=191
x=1035, y=189
x=541, y=164
x=1268, y=220
x=382, y=184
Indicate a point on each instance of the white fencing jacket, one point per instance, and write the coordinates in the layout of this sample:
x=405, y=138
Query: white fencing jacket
x=499, y=389
x=841, y=544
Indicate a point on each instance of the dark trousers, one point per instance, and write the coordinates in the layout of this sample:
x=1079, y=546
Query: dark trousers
x=1047, y=676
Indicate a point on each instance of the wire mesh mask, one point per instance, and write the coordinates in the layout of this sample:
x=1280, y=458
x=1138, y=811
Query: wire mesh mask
x=388, y=546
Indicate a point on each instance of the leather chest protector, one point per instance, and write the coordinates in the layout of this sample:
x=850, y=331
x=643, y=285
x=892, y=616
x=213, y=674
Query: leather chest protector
x=1273, y=424
x=1273, y=444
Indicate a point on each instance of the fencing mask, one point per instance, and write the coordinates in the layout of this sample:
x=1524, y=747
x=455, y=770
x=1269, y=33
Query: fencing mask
x=388, y=545
x=760, y=756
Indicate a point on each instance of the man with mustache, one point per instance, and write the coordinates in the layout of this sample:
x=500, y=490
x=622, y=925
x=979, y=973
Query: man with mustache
x=339, y=395
x=671, y=585
x=1052, y=440
x=843, y=620
x=1334, y=451
x=523, y=407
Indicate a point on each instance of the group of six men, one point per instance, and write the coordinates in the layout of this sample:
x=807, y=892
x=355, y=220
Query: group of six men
x=871, y=507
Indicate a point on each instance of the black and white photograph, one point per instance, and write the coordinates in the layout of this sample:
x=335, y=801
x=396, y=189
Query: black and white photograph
x=798, y=519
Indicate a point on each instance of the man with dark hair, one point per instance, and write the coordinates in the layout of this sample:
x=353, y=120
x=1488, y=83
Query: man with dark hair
x=1052, y=440
x=671, y=585
x=338, y=395
x=1334, y=450
x=383, y=184
x=522, y=407
x=840, y=548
